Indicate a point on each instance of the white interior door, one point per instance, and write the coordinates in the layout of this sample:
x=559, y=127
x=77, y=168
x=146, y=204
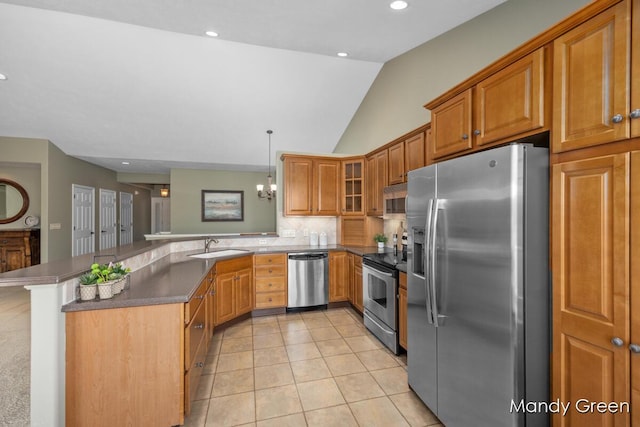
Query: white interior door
x=126, y=218
x=108, y=221
x=83, y=232
x=160, y=214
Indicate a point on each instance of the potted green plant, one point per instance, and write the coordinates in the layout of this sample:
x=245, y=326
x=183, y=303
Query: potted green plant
x=107, y=277
x=381, y=239
x=88, y=286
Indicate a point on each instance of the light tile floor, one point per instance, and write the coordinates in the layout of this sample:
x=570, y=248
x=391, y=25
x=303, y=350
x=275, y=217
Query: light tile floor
x=316, y=368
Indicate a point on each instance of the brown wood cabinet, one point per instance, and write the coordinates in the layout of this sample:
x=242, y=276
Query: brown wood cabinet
x=402, y=311
x=356, y=275
x=507, y=105
x=414, y=153
x=234, y=288
x=353, y=186
x=270, y=272
x=19, y=249
x=591, y=72
x=358, y=231
x=591, y=283
x=312, y=185
x=634, y=115
x=376, y=180
x=338, y=276
x=396, y=163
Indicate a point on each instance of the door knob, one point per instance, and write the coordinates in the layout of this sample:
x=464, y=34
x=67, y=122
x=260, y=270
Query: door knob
x=635, y=348
x=617, y=342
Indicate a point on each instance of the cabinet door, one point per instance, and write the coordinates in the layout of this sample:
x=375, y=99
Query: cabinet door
x=511, y=101
x=590, y=250
x=371, y=198
x=590, y=75
x=414, y=153
x=13, y=258
x=635, y=82
x=396, y=163
x=244, y=291
x=298, y=186
x=402, y=317
x=357, y=281
x=211, y=304
x=381, y=180
x=338, y=280
x=353, y=187
x=350, y=289
x=327, y=186
x=451, y=126
x=225, y=307
x=635, y=286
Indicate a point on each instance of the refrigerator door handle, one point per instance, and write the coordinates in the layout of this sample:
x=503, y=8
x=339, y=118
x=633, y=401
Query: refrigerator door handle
x=432, y=265
x=427, y=262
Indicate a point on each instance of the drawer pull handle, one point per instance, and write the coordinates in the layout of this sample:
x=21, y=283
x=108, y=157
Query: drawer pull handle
x=617, y=342
x=635, y=114
x=618, y=118
x=635, y=348
x=200, y=364
x=199, y=326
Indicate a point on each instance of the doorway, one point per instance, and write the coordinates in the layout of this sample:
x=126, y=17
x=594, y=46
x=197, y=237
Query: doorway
x=126, y=218
x=83, y=227
x=108, y=221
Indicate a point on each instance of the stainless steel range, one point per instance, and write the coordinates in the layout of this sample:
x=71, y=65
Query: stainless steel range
x=380, y=297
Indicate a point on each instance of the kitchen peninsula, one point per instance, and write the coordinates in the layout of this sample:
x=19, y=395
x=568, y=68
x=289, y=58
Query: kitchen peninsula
x=163, y=275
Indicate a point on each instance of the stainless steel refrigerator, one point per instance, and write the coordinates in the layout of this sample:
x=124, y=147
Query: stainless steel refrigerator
x=478, y=286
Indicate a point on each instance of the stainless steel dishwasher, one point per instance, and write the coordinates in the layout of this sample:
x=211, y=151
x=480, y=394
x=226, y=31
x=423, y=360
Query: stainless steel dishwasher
x=308, y=279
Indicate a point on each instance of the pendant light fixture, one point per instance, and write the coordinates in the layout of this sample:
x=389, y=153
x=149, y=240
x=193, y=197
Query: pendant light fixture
x=164, y=191
x=270, y=192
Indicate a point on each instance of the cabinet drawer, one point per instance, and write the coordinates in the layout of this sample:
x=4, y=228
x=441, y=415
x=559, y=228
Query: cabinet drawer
x=270, y=299
x=194, y=333
x=195, y=301
x=271, y=259
x=192, y=378
x=270, y=270
x=269, y=284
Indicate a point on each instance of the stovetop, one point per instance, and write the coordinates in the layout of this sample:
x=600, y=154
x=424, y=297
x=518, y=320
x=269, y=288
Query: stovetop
x=388, y=258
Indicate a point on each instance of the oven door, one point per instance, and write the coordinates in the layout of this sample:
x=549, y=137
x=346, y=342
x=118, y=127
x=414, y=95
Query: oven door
x=379, y=294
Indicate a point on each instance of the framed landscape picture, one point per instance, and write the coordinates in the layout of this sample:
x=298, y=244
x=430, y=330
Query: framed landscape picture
x=222, y=205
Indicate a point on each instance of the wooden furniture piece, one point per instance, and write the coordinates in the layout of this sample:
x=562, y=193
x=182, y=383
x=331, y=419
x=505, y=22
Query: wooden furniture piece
x=355, y=282
x=270, y=273
x=144, y=361
x=312, y=185
x=338, y=276
x=19, y=249
x=506, y=105
x=402, y=311
x=353, y=186
x=358, y=231
x=234, y=288
x=376, y=180
x=591, y=82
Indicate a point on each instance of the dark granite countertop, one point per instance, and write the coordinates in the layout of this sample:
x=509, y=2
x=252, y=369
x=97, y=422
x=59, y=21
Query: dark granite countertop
x=171, y=279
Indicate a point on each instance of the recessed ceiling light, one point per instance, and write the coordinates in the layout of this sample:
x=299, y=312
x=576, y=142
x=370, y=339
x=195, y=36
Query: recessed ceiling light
x=398, y=5
x=126, y=163
x=3, y=77
x=211, y=33
x=343, y=54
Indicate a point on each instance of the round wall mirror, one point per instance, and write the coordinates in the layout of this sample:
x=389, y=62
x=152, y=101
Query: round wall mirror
x=14, y=201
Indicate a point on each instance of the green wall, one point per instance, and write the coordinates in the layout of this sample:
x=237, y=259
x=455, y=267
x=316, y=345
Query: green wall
x=57, y=173
x=394, y=104
x=186, y=187
x=28, y=176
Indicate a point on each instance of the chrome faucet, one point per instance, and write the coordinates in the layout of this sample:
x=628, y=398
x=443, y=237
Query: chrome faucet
x=207, y=243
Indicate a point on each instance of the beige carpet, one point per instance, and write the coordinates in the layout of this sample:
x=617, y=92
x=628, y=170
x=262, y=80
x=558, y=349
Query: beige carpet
x=15, y=333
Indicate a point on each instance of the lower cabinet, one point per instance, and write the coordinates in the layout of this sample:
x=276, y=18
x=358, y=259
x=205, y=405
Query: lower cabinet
x=338, y=276
x=234, y=288
x=19, y=249
x=270, y=272
x=402, y=311
x=355, y=281
x=126, y=366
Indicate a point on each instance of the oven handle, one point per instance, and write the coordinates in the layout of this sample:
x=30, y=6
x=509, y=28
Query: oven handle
x=385, y=328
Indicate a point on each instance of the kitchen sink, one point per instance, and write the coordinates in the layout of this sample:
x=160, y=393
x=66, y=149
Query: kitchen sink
x=219, y=253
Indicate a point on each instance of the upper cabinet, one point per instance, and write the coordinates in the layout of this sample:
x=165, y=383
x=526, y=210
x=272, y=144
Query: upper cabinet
x=414, y=153
x=396, y=163
x=311, y=185
x=591, y=78
x=353, y=186
x=506, y=105
x=376, y=180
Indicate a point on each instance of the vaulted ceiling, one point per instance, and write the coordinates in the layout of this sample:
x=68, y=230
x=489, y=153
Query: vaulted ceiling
x=138, y=81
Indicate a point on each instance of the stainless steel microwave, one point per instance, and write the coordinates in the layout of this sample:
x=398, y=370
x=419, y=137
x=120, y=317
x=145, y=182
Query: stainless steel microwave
x=394, y=198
